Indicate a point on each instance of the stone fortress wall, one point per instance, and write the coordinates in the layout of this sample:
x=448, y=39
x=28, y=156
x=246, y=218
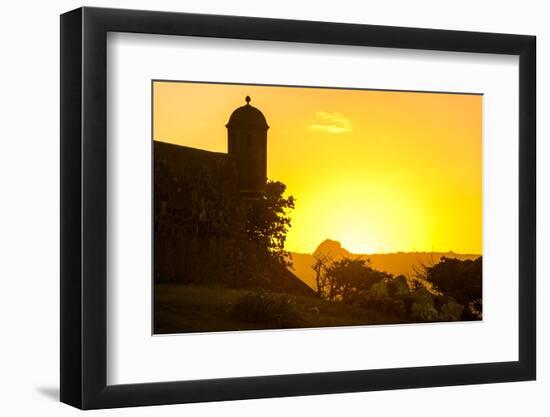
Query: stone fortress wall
x=201, y=202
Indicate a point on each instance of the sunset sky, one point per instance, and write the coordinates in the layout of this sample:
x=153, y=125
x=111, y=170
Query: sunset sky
x=378, y=171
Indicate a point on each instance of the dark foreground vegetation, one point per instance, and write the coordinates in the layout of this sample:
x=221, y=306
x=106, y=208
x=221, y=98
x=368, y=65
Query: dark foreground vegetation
x=190, y=308
x=349, y=293
x=450, y=290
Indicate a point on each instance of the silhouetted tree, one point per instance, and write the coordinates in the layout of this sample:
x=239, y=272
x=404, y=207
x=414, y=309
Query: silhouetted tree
x=347, y=277
x=461, y=280
x=268, y=221
x=418, y=280
x=320, y=266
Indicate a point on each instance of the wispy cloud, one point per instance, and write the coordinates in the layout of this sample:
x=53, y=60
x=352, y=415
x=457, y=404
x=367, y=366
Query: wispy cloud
x=331, y=122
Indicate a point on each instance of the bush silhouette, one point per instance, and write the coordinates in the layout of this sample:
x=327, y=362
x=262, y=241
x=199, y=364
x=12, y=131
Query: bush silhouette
x=346, y=278
x=274, y=310
x=461, y=280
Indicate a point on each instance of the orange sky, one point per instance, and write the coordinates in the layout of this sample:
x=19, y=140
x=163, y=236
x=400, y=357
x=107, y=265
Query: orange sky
x=378, y=171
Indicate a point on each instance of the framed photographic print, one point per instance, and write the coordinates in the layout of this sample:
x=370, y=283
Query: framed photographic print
x=257, y=207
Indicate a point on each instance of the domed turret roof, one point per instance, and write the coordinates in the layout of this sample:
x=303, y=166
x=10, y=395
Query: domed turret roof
x=247, y=115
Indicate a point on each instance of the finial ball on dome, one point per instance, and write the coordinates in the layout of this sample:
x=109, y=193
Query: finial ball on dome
x=248, y=116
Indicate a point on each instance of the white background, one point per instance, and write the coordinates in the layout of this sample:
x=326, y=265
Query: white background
x=29, y=223
x=134, y=356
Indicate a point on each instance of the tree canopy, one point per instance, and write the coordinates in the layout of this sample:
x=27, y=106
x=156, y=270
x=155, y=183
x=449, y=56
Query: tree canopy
x=345, y=278
x=268, y=221
x=459, y=279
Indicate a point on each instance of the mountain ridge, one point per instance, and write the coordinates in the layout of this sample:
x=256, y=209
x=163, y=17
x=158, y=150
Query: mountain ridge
x=395, y=263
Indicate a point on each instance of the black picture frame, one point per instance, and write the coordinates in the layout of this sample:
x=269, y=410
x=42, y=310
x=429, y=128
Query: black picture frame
x=84, y=207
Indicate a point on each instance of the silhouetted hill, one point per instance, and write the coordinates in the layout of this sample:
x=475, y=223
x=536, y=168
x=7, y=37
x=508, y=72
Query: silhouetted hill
x=398, y=263
x=331, y=248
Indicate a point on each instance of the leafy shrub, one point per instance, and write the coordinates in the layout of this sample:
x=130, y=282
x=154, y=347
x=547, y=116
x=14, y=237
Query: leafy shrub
x=398, y=286
x=461, y=280
x=274, y=310
x=451, y=311
x=384, y=296
x=423, y=306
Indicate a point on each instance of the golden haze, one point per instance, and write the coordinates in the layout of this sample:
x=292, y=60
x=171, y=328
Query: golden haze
x=379, y=171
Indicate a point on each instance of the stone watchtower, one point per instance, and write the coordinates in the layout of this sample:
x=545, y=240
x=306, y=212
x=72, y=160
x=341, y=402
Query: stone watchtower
x=247, y=145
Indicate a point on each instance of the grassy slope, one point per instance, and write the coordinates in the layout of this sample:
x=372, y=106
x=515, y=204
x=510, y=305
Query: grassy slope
x=184, y=308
